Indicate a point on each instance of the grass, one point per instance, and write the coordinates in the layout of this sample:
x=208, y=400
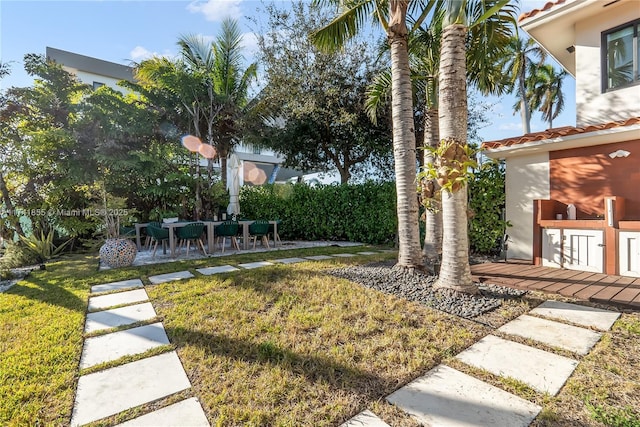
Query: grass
x=283, y=345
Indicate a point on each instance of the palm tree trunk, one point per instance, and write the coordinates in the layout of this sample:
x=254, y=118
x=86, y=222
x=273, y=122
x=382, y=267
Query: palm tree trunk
x=525, y=114
x=455, y=271
x=433, y=218
x=404, y=141
x=4, y=196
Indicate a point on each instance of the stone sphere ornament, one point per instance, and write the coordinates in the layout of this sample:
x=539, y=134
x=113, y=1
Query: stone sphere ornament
x=118, y=253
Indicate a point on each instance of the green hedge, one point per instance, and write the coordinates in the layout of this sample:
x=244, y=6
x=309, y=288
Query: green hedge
x=363, y=212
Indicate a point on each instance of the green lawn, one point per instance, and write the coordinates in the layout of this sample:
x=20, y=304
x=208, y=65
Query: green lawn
x=280, y=345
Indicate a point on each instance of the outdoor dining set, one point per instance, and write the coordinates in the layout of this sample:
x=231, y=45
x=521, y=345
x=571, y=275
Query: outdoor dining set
x=177, y=234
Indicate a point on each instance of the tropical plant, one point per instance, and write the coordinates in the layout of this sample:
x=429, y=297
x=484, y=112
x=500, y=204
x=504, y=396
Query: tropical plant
x=545, y=92
x=42, y=246
x=459, y=17
x=520, y=63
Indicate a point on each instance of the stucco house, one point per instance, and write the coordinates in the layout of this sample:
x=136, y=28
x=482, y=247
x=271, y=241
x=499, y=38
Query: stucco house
x=594, y=166
x=257, y=165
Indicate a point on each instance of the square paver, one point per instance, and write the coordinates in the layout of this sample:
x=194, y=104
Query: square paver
x=113, y=390
x=344, y=255
x=449, y=398
x=258, y=264
x=365, y=419
x=187, y=413
x=123, y=284
x=127, y=297
x=105, y=348
x=290, y=260
x=208, y=271
x=543, y=371
x=118, y=316
x=319, y=257
x=170, y=277
x=367, y=253
x=578, y=314
x=561, y=335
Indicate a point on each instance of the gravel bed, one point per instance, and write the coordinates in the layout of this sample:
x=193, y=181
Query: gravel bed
x=18, y=274
x=418, y=286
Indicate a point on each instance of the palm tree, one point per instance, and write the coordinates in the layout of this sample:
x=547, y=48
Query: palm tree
x=460, y=16
x=545, y=88
x=519, y=64
x=392, y=17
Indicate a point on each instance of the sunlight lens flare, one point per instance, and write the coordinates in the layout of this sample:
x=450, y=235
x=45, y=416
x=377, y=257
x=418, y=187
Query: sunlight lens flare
x=191, y=143
x=207, y=151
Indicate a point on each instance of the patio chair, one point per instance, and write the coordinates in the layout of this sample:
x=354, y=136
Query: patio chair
x=191, y=233
x=227, y=229
x=259, y=228
x=157, y=235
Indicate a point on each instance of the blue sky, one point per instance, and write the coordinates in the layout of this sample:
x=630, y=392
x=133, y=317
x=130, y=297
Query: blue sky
x=123, y=31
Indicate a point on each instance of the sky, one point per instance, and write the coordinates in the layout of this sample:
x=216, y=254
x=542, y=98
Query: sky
x=123, y=31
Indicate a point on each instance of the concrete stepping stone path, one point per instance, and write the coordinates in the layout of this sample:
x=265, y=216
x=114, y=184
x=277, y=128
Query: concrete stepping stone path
x=187, y=413
x=117, y=286
x=120, y=298
x=367, y=253
x=114, y=390
x=289, y=260
x=170, y=277
x=578, y=314
x=365, y=419
x=344, y=255
x=556, y=334
x=319, y=257
x=105, y=348
x=449, y=398
x=258, y=264
x=207, y=271
x=106, y=319
x=543, y=371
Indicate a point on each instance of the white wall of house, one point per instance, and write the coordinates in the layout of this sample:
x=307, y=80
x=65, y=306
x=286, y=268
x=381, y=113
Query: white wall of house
x=90, y=78
x=527, y=179
x=593, y=106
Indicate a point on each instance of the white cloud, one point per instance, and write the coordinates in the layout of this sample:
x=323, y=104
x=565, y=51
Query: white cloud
x=140, y=53
x=217, y=10
x=510, y=126
x=250, y=45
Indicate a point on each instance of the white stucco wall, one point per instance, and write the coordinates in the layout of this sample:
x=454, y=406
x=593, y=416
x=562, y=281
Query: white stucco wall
x=527, y=179
x=89, y=78
x=593, y=106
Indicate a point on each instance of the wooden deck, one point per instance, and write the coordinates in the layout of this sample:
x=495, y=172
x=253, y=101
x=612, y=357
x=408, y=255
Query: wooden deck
x=596, y=287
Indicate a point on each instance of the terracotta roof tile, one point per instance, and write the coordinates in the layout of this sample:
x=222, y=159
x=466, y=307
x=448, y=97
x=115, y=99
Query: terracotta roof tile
x=544, y=8
x=556, y=133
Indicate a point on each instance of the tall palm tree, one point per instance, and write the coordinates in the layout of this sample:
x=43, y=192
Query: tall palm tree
x=519, y=64
x=391, y=15
x=545, y=88
x=460, y=16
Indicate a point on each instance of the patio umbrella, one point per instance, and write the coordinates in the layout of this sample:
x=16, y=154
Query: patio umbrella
x=233, y=185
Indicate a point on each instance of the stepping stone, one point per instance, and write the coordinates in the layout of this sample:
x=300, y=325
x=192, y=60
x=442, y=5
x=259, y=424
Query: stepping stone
x=561, y=335
x=124, y=284
x=289, y=260
x=113, y=390
x=319, y=257
x=208, y=271
x=113, y=346
x=118, y=317
x=449, y=398
x=106, y=301
x=170, y=277
x=258, y=264
x=365, y=419
x=344, y=255
x=543, y=371
x=579, y=314
x=187, y=413
x=367, y=253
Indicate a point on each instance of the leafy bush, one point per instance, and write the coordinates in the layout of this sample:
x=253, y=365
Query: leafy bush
x=487, y=201
x=42, y=246
x=361, y=212
x=16, y=255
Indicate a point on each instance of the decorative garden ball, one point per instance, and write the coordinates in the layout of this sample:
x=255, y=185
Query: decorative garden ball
x=118, y=253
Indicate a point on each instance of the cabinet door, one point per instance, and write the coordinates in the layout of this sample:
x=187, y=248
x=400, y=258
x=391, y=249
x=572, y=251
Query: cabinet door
x=629, y=253
x=552, y=247
x=583, y=250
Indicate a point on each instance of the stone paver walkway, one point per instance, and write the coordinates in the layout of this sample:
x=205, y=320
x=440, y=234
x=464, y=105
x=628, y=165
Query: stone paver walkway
x=444, y=396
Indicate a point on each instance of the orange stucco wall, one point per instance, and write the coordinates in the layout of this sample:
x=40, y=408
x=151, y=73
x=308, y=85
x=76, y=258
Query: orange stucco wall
x=585, y=176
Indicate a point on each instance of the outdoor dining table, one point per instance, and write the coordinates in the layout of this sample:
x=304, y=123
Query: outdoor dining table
x=139, y=226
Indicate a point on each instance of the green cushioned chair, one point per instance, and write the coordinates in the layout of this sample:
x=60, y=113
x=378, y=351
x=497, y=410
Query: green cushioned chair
x=227, y=229
x=259, y=228
x=157, y=235
x=191, y=233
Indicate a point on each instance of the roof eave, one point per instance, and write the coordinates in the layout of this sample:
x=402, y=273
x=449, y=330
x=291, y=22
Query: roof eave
x=599, y=137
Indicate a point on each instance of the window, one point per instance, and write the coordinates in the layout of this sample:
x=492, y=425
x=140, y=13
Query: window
x=256, y=150
x=620, y=52
x=96, y=85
